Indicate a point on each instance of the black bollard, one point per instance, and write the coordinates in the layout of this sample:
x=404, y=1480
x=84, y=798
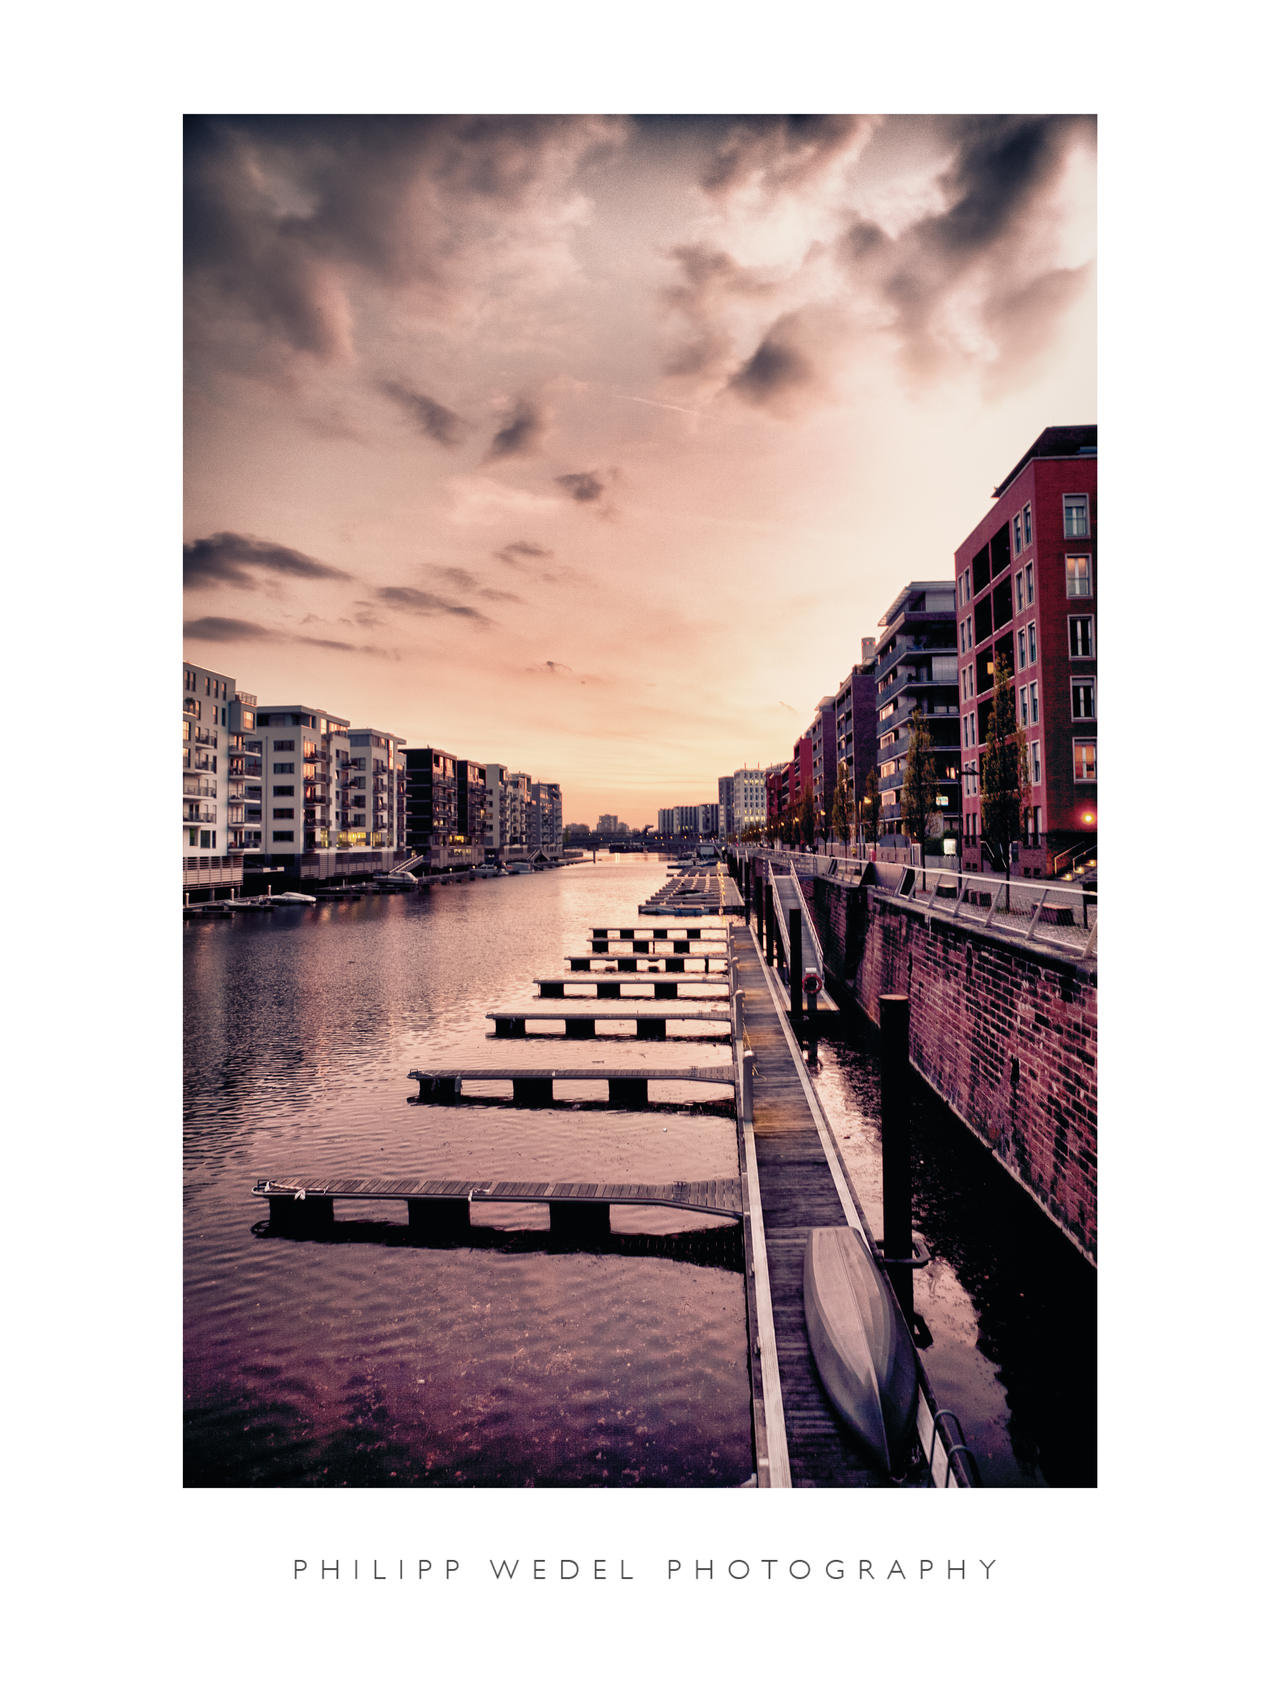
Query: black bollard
x=895, y=1144
x=795, y=969
x=811, y=1002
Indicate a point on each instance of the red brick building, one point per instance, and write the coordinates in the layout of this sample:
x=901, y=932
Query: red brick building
x=1026, y=591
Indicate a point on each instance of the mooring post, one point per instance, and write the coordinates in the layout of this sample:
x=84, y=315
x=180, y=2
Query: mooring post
x=811, y=1003
x=795, y=969
x=895, y=1143
x=737, y=1013
x=748, y=1094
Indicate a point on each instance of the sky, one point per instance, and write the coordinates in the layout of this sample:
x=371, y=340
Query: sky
x=593, y=445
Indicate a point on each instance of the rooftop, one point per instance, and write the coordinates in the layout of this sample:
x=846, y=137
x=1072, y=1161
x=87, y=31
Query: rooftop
x=1053, y=442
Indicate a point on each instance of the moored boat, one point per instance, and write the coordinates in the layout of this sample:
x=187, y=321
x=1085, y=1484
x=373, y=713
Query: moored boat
x=861, y=1344
x=291, y=898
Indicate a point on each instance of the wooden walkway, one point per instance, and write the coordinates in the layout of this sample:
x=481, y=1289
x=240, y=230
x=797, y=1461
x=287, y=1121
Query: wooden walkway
x=534, y=1087
x=609, y=986
x=797, y=1191
x=650, y=1027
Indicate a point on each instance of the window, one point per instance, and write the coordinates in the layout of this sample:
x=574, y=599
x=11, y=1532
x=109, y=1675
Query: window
x=282, y=835
x=282, y=770
x=1082, y=697
x=1035, y=702
x=1079, y=577
x=1026, y=525
x=1031, y=583
x=1031, y=641
x=1017, y=533
x=1034, y=751
x=283, y=746
x=1080, y=637
x=1019, y=588
x=283, y=788
x=1075, y=516
x=193, y=837
x=1022, y=648
x=1022, y=707
x=1086, y=759
x=282, y=812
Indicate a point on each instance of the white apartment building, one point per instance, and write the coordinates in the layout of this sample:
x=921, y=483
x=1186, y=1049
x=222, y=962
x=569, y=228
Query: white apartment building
x=748, y=800
x=213, y=802
x=372, y=814
x=519, y=802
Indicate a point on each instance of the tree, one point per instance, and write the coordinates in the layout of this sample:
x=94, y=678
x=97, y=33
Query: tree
x=807, y=819
x=1005, y=780
x=871, y=805
x=919, y=782
x=840, y=805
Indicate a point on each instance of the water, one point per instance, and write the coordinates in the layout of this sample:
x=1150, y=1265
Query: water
x=366, y=1359
x=1010, y=1304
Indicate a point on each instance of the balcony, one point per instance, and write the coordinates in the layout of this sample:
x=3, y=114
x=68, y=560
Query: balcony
x=199, y=815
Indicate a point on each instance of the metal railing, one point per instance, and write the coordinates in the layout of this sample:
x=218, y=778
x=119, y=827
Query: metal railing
x=1052, y=915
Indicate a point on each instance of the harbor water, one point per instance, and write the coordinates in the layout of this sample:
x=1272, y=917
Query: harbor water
x=370, y=1358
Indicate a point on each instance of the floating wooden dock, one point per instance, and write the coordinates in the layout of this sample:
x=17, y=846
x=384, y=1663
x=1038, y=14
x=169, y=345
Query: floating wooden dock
x=609, y=988
x=638, y=933
x=534, y=1087
x=618, y=960
x=650, y=1027
x=305, y=1204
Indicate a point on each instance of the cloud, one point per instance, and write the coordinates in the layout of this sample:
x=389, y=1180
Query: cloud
x=590, y=487
x=418, y=602
x=550, y=667
x=772, y=154
x=470, y=583
x=432, y=418
x=289, y=218
x=522, y=548
x=522, y=433
x=711, y=281
x=227, y=630
x=977, y=279
x=225, y=559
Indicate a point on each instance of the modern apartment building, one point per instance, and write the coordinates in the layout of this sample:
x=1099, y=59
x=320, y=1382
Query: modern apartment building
x=213, y=801
x=724, y=788
x=1026, y=591
x=546, y=820
x=748, y=802
x=821, y=736
x=372, y=808
x=856, y=725
x=446, y=808
x=916, y=665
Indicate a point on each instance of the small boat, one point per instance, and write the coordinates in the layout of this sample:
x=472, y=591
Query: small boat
x=518, y=867
x=861, y=1344
x=248, y=904
x=291, y=898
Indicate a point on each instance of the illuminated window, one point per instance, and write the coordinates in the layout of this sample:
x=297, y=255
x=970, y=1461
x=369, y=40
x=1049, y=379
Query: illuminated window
x=1086, y=760
x=1079, y=577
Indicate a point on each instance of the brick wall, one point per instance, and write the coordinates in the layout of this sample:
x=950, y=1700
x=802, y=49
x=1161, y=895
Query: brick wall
x=1006, y=1035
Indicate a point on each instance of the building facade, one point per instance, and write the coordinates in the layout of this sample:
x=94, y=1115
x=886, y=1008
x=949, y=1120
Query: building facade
x=916, y=666
x=213, y=786
x=748, y=801
x=856, y=728
x=546, y=820
x=1026, y=587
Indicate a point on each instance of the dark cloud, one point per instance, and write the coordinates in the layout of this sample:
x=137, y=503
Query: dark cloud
x=587, y=488
x=225, y=630
x=419, y=602
x=284, y=214
x=432, y=418
x=710, y=279
x=780, y=374
x=521, y=433
x=225, y=559
x=987, y=243
x=522, y=548
x=469, y=583
x=783, y=152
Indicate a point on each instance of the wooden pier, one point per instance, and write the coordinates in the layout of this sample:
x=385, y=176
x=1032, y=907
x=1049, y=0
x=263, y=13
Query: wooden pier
x=609, y=987
x=650, y=1027
x=534, y=1087
x=298, y=1204
x=619, y=960
x=800, y=1186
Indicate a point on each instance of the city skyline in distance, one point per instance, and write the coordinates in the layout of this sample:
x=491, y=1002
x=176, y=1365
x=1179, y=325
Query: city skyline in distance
x=593, y=447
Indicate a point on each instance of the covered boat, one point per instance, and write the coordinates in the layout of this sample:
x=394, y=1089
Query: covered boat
x=861, y=1344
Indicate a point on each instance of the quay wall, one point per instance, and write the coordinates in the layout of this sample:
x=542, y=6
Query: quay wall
x=1006, y=1034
